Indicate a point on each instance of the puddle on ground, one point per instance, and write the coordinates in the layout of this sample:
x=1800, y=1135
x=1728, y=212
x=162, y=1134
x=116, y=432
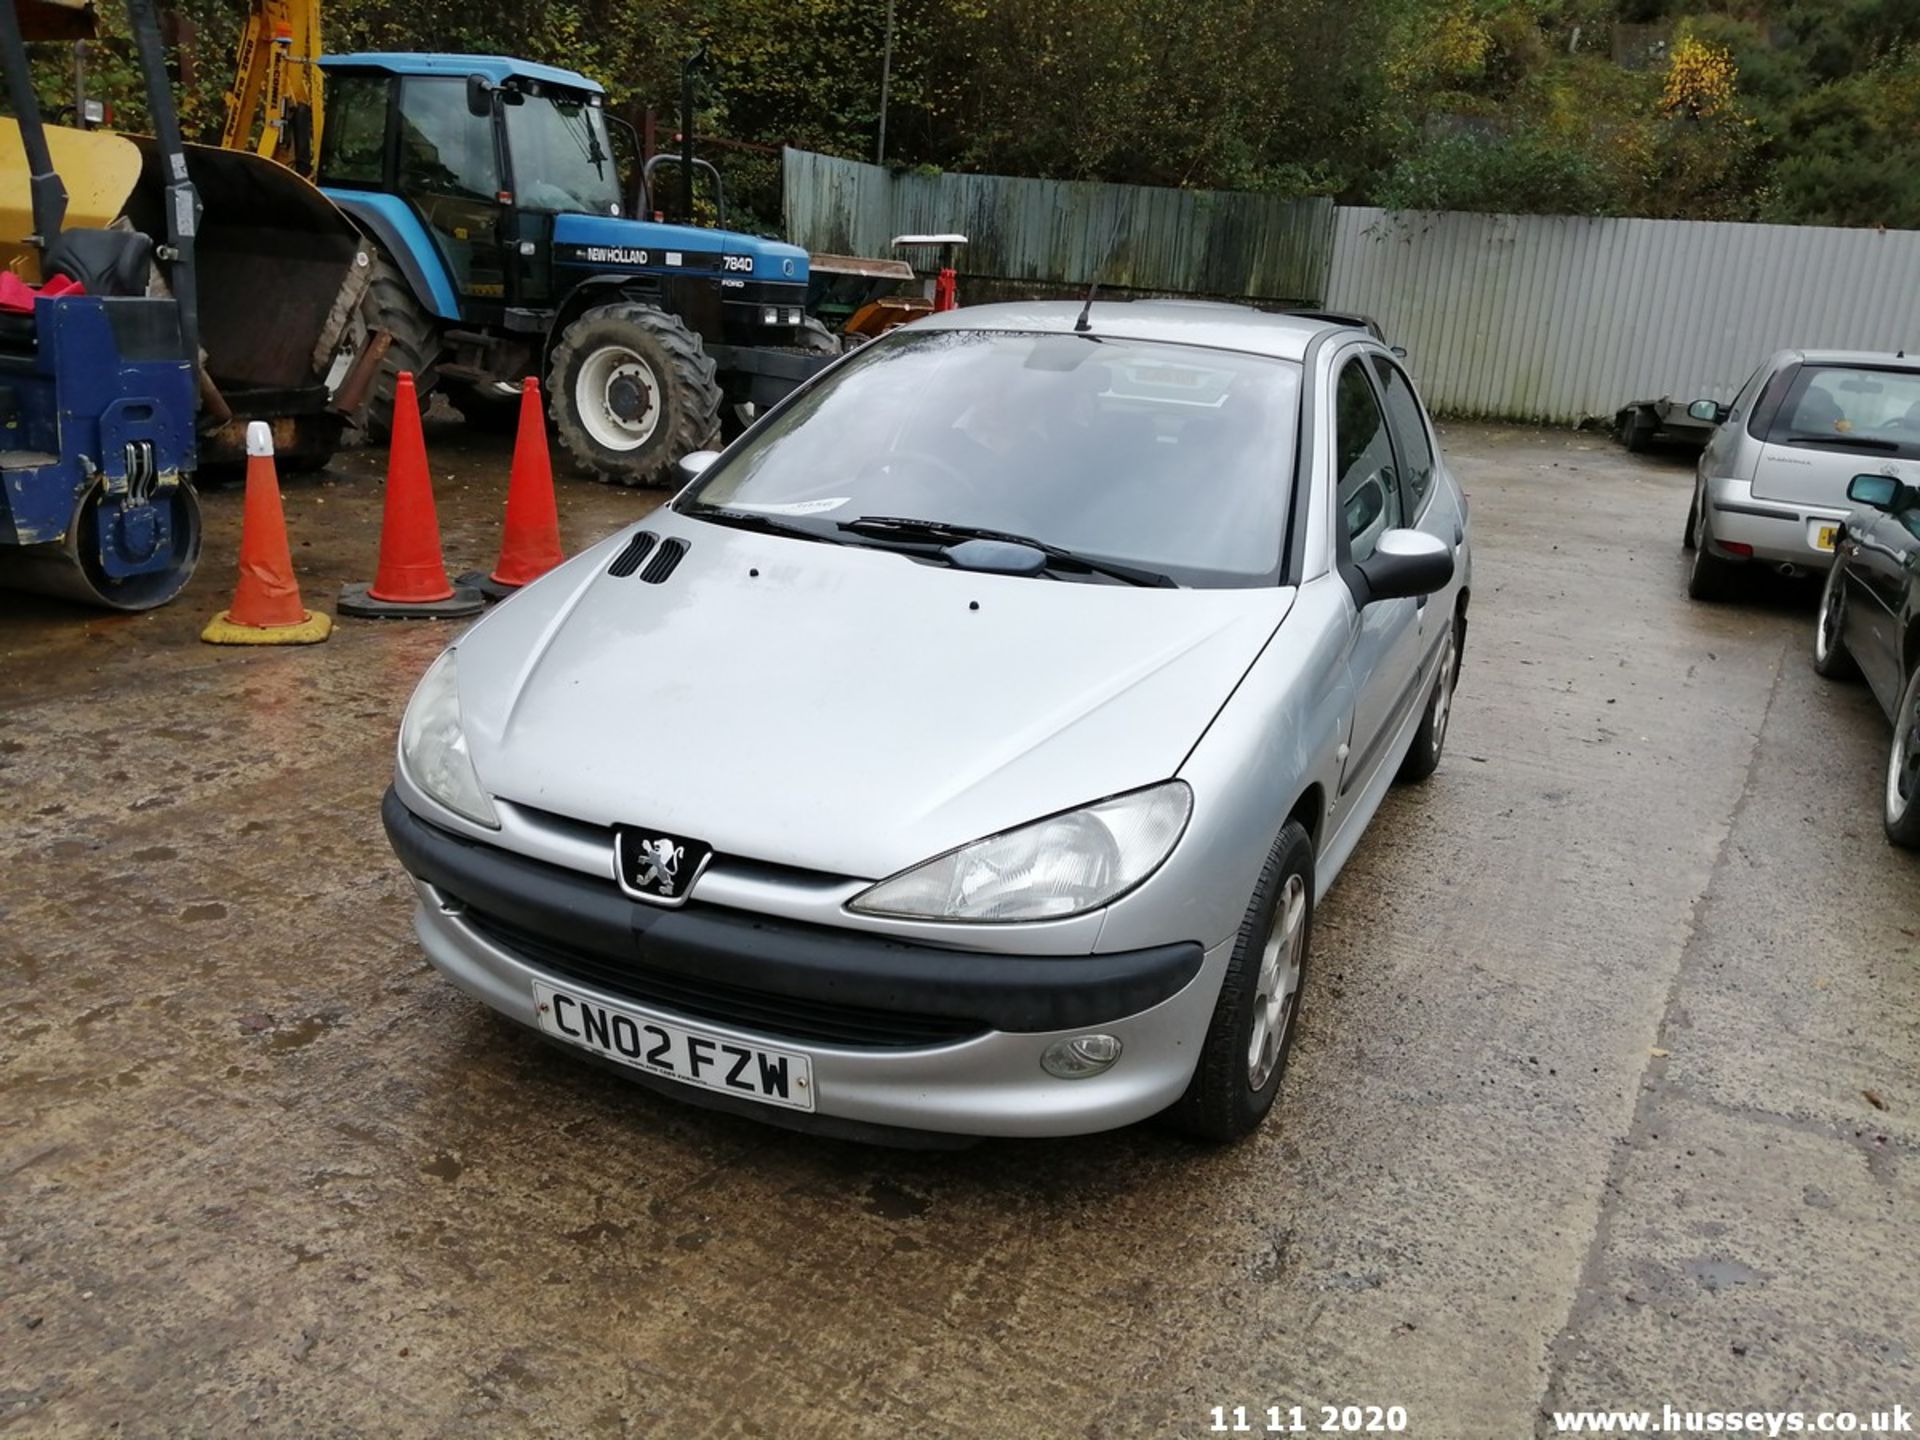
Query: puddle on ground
x=302, y=1033
x=1715, y=1275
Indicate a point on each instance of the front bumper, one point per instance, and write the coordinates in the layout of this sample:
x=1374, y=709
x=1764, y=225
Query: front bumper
x=1779, y=532
x=963, y=1057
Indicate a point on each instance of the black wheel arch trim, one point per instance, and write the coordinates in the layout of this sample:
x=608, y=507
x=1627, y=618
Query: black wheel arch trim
x=1015, y=993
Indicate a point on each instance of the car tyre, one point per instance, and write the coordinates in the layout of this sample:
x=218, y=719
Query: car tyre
x=1255, y=1019
x=1831, y=658
x=1638, y=431
x=1687, y=541
x=1423, y=756
x=1709, y=576
x=1903, y=768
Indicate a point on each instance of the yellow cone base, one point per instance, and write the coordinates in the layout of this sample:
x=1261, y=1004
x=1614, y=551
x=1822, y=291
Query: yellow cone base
x=310, y=631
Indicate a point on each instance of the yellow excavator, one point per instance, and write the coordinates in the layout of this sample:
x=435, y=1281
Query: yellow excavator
x=274, y=107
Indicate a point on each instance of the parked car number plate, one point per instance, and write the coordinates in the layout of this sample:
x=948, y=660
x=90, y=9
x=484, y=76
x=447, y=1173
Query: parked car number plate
x=751, y=1072
x=1824, y=536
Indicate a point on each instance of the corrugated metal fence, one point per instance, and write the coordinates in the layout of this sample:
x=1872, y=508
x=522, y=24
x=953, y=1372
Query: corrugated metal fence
x=1555, y=318
x=1203, y=242
x=1518, y=317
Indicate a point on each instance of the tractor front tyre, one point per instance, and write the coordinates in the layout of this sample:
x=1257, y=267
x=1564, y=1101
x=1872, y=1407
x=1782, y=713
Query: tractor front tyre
x=413, y=345
x=816, y=339
x=631, y=390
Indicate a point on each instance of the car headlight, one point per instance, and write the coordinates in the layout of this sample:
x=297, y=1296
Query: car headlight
x=1063, y=865
x=433, y=747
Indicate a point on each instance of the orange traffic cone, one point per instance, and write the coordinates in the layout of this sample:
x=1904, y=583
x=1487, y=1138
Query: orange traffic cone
x=530, y=544
x=411, y=580
x=266, y=603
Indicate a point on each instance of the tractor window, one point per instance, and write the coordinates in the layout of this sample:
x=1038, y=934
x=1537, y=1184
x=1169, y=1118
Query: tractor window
x=450, y=170
x=353, y=147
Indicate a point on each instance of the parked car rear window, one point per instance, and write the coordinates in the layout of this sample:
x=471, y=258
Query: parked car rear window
x=1170, y=457
x=1834, y=406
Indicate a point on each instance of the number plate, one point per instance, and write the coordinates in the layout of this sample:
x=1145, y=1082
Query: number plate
x=1824, y=536
x=751, y=1072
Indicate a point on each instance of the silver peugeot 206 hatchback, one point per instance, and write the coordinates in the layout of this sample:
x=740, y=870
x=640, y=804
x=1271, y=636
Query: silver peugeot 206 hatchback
x=1771, y=487
x=964, y=750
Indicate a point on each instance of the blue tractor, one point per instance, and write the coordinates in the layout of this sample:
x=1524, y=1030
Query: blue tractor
x=508, y=248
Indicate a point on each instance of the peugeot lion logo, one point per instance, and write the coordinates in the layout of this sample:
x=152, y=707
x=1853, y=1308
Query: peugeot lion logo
x=659, y=865
x=660, y=869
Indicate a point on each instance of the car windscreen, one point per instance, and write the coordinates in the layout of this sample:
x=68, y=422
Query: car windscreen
x=1876, y=411
x=1172, y=458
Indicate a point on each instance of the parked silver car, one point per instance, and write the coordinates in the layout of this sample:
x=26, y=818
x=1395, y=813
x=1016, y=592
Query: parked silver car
x=965, y=749
x=1771, y=486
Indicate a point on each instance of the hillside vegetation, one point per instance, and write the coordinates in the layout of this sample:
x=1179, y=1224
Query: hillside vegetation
x=1785, y=110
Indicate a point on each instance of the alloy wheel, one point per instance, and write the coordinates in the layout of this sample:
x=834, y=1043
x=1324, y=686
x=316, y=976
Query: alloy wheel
x=1443, y=694
x=1279, y=983
x=1903, y=756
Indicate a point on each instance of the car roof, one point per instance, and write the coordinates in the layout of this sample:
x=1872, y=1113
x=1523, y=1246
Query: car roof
x=1885, y=358
x=497, y=68
x=1212, y=323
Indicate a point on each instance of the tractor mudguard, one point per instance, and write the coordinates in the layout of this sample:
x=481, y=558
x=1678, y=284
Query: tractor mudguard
x=389, y=221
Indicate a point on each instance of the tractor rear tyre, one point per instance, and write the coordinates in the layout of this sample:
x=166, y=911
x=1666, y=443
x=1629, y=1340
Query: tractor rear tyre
x=389, y=305
x=631, y=390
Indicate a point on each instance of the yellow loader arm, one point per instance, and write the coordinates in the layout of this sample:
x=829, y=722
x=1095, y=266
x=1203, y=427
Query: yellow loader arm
x=276, y=84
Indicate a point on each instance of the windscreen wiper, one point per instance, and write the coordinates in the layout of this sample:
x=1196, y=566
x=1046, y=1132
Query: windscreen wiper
x=1847, y=442
x=942, y=532
x=759, y=522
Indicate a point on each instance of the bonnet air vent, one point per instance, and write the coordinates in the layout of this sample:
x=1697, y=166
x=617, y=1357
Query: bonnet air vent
x=628, y=560
x=662, y=565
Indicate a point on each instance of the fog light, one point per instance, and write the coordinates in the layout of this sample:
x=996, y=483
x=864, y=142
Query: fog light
x=1080, y=1057
x=769, y=316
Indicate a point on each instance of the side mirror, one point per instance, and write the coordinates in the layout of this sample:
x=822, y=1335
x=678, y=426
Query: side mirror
x=693, y=466
x=479, y=96
x=1876, y=492
x=1708, y=411
x=1405, y=564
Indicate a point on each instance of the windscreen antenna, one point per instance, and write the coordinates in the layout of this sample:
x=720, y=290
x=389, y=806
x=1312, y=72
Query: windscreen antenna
x=1085, y=322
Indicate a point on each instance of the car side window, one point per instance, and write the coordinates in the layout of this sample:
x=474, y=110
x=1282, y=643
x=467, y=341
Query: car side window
x=1409, y=429
x=1366, y=488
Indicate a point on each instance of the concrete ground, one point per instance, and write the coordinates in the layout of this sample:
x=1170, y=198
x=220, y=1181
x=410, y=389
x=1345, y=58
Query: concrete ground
x=1608, y=1092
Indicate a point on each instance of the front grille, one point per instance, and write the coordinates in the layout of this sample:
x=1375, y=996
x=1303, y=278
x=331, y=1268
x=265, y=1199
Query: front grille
x=760, y=1011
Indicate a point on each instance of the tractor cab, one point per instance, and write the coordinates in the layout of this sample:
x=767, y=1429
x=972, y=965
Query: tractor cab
x=494, y=188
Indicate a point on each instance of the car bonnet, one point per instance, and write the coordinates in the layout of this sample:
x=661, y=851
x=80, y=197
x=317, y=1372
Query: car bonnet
x=841, y=709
